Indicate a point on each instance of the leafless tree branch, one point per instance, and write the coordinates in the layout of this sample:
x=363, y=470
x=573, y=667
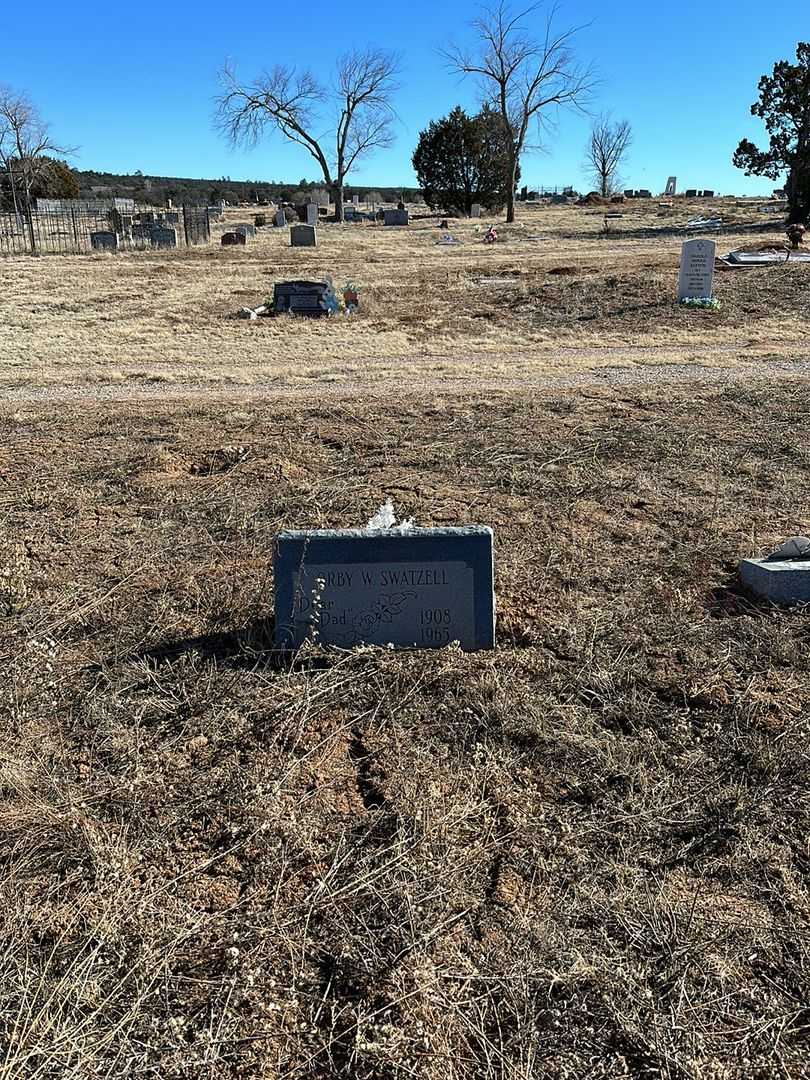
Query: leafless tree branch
x=521, y=75
x=607, y=147
x=25, y=145
x=292, y=102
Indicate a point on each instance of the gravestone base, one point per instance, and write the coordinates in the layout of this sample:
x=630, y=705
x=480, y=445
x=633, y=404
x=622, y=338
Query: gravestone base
x=415, y=588
x=786, y=582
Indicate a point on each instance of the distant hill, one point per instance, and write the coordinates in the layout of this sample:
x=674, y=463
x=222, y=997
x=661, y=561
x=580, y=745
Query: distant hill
x=155, y=190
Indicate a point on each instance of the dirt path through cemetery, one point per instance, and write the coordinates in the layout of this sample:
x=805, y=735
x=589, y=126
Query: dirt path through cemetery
x=434, y=375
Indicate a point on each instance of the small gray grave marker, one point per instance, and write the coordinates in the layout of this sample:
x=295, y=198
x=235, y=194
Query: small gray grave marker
x=697, y=270
x=782, y=578
x=280, y=218
x=303, y=236
x=312, y=213
x=420, y=588
x=104, y=241
x=475, y=210
x=248, y=230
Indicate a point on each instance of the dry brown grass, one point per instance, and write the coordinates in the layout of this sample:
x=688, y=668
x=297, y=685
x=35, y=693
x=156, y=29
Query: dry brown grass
x=584, y=854
x=141, y=316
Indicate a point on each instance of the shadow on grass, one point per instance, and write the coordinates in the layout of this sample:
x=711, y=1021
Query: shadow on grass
x=250, y=647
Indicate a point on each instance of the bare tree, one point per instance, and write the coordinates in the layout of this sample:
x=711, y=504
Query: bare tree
x=608, y=145
x=294, y=103
x=25, y=146
x=522, y=77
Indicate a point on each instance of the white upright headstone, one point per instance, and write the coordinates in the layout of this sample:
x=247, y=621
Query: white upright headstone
x=672, y=183
x=697, y=270
x=355, y=200
x=312, y=213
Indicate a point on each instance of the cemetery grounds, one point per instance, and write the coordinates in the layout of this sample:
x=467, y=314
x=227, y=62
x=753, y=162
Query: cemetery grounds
x=584, y=854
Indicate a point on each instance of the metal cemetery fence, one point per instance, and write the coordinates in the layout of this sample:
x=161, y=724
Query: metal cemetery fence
x=68, y=231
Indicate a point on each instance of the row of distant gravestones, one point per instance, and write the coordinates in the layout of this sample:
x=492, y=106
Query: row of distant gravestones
x=303, y=235
x=158, y=236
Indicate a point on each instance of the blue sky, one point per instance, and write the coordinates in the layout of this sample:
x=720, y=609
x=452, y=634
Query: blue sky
x=133, y=87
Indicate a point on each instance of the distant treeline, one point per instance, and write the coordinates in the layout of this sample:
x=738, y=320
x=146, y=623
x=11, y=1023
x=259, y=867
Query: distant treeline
x=156, y=190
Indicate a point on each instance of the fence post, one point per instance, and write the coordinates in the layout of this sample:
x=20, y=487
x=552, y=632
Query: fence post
x=30, y=218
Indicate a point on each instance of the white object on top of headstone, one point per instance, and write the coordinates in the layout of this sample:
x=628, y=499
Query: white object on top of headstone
x=697, y=270
x=671, y=185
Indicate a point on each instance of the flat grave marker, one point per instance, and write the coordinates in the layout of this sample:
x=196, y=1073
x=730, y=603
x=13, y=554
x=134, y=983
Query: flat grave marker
x=697, y=270
x=783, y=577
x=415, y=588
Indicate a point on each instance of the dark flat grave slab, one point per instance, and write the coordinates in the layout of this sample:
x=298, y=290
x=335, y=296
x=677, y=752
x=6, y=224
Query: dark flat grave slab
x=416, y=588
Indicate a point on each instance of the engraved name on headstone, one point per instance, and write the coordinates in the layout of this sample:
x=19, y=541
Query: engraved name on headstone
x=420, y=588
x=697, y=269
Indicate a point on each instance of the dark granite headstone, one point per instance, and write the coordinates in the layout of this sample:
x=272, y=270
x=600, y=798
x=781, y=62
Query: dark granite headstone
x=231, y=238
x=303, y=236
x=300, y=298
x=163, y=237
x=395, y=217
x=104, y=241
x=416, y=588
